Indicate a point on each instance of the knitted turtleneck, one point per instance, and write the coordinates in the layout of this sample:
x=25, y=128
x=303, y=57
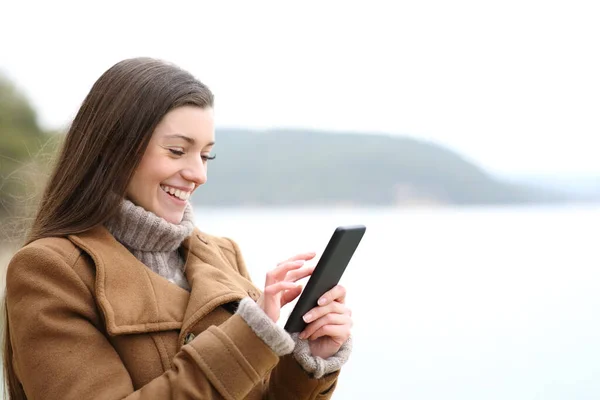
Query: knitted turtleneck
x=153, y=240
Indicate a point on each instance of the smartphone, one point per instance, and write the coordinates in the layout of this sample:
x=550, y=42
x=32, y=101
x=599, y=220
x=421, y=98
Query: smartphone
x=327, y=273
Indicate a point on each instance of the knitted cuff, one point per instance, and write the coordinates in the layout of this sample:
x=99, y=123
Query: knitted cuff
x=272, y=334
x=317, y=366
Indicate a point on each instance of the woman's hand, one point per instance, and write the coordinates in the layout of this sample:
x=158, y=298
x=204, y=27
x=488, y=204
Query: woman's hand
x=280, y=286
x=329, y=324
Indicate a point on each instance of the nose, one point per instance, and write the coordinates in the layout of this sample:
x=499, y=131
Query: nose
x=195, y=171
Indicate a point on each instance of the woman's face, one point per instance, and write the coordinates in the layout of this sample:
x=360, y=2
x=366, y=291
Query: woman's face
x=175, y=162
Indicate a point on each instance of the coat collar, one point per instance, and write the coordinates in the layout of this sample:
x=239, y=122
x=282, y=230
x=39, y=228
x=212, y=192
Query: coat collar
x=134, y=299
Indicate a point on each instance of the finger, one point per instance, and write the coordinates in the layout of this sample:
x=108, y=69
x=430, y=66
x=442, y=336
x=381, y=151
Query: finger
x=338, y=333
x=296, y=275
x=318, y=312
x=338, y=293
x=290, y=295
x=303, y=256
x=277, y=274
x=279, y=286
x=329, y=319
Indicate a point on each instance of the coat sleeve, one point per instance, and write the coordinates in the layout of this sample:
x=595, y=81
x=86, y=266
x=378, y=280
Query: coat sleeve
x=61, y=352
x=289, y=380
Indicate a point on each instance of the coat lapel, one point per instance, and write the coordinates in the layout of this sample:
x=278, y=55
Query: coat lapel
x=134, y=299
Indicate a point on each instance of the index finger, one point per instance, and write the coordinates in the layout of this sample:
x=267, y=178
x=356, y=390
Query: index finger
x=278, y=273
x=302, y=256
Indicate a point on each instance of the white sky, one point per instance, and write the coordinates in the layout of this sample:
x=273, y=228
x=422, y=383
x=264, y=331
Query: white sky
x=513, y=85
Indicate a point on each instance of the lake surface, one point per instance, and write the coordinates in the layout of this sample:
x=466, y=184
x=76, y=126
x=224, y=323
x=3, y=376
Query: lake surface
x=479, y=303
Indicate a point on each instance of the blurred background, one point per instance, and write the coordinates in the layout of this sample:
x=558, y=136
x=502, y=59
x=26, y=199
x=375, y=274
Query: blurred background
x=462, y=134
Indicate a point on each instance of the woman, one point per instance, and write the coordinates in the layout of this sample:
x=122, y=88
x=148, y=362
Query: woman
x=117, y=295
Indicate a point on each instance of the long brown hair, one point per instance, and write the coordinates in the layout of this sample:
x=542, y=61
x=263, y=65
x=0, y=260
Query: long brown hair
x=101, y=151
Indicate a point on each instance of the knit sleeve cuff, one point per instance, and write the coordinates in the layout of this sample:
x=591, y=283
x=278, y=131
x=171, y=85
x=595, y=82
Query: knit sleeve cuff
x=317, y=366
x=272, y=334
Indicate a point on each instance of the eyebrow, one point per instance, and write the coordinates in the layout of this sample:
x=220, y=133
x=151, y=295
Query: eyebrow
x=186, y=138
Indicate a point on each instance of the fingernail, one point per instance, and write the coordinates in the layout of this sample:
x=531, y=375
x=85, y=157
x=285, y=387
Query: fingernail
x=322, y=301
x=301, y=335
x=307, y=317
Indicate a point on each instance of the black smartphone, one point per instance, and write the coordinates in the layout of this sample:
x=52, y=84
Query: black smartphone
x=327, y=273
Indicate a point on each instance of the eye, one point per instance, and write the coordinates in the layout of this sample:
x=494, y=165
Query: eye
x=177, y=152
x=208, y=157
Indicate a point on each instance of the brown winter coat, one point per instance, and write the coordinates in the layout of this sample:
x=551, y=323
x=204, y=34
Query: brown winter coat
x=88, y=320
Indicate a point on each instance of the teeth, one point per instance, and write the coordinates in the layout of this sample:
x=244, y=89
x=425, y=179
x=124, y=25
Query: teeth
x=180, y=194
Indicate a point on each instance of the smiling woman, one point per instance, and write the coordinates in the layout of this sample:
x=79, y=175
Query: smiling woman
x=117, y=295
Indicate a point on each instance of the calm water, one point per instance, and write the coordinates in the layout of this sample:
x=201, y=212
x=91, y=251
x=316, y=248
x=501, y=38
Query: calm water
x=452, y=304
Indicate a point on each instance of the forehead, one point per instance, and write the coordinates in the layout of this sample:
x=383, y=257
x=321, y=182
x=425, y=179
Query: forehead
x=191, y=121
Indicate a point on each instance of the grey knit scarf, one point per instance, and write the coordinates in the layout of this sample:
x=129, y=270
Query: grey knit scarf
x=153, y=240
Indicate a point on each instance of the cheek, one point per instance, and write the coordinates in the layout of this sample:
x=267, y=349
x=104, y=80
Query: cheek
x=160, y=170
x=153, y=171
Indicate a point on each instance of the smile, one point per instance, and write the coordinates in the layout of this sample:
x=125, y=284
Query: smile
x=180, y=194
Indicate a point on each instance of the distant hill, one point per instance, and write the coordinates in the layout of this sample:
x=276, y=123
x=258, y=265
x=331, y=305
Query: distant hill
x=579, y=187
x=282, y=167
x=298, y=167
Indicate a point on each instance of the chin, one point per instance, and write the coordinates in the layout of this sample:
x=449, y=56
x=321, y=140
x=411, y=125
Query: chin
x=174, y=218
